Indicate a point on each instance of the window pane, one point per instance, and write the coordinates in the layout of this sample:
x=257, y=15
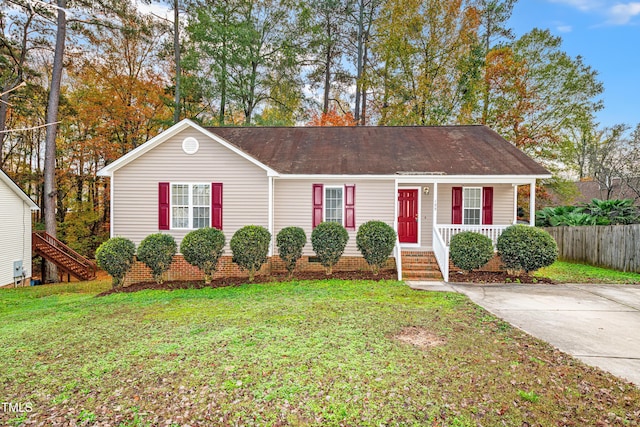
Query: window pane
x=472, y=197
x=472, y=204
x=333, y=205
x=180, y=195
x=472, y=216
x=180, y=217
x=200, y=195
x=201, y=217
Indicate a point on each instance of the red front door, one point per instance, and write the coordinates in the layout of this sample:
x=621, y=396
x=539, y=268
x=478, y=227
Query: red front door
x=408, y=216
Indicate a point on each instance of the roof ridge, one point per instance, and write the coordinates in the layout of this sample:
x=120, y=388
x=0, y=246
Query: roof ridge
x=347, y=127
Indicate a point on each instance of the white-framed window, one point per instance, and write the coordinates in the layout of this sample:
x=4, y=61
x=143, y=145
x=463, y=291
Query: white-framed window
x=472, y=205
x=334, y=204
x=190, y=205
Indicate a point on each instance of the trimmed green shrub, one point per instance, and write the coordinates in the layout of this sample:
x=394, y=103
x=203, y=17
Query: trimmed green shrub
x=526, y=248
x=470, y=251
x=290, y=241
x=250, y=247
x=115, y=256
x=156, y=251
x=202, y=248
x=375, y=241
x=329, y=240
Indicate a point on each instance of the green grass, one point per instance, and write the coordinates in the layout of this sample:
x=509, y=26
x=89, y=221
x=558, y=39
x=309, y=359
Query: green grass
x=299, y=353
x=567, y=272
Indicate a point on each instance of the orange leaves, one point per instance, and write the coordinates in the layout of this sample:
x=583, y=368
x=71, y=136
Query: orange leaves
x=332, y=118
x=511, y=94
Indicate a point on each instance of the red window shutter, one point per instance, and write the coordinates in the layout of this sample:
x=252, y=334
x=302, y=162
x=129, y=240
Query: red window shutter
x=318, y=189
x=216, y=205
x=456, y=205
x=350, y=207
x=163, y=206
x=487, y=205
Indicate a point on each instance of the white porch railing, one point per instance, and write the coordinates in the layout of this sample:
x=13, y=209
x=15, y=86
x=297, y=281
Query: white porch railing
x=398, y=254
x=447, y=231
x=442, y=234
x=441, y=251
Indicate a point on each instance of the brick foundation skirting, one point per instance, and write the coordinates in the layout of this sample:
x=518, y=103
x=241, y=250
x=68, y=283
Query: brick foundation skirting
x=182, y=270
x=494, y=264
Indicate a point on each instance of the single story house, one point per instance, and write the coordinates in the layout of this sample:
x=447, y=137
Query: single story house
x=15, y=232
x=426, y=182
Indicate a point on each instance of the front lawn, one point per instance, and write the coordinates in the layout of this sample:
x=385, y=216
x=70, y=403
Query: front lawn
x=569, y=272
x=301, y=353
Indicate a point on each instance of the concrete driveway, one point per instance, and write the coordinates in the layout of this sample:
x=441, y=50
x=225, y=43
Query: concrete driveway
x=598, y=324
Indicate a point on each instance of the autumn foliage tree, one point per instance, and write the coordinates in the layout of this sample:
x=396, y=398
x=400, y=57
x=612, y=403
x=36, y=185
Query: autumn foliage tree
x=268, y=62
x=332, y=118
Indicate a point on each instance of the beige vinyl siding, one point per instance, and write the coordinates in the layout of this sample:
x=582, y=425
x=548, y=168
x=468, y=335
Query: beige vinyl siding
x=15, y=234
x=375, y=200
x=502, y=202
x=135, y=186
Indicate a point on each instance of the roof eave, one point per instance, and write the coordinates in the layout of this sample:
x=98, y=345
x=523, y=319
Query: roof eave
x=172, y=131
x=425, y=178
x=16, y=189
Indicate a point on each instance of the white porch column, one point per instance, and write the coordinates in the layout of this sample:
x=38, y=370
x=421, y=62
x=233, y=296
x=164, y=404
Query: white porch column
x=515, y=203
x=270, y=216
x=532, y=203
x=435, y=205
x=395, y=207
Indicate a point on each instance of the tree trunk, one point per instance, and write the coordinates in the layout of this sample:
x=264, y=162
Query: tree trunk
x=363, y=88
x=50, y=139
x=327, y=70
x=327, y=82
x=359, y=60
x=4, y=107
x=176, y=51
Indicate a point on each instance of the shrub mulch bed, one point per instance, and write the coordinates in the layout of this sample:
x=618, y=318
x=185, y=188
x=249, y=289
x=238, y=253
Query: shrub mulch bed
x=479, y=277
x=237, y=281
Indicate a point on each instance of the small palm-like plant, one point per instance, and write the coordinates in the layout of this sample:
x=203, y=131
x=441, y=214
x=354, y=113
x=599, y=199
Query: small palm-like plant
x=615, y=211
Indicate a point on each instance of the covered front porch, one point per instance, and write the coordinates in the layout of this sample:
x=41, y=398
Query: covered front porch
x=431, y=209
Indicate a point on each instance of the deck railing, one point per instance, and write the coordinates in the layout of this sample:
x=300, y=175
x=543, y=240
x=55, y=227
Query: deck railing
x=441, y=251
x=447, y=231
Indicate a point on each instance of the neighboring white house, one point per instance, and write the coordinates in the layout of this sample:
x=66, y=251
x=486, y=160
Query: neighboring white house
x=15, y=232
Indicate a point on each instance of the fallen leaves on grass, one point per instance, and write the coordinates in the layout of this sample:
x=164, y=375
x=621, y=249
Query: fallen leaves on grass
x=419, y=337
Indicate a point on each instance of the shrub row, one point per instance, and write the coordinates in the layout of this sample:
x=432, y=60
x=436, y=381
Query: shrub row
x=249, y=245
x=521, y=248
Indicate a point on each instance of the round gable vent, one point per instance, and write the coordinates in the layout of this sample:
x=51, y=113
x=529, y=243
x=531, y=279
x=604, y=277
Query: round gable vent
x=190, y=145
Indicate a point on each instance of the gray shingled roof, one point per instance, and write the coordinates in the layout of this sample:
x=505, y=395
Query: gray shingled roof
x=452, y=150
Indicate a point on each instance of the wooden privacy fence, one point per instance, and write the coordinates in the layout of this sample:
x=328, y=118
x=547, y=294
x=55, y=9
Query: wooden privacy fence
x=613, y=246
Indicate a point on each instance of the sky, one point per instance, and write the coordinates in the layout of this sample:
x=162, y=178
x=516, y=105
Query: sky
x=606, y=34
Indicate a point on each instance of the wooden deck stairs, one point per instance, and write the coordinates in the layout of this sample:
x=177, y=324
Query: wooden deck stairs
x=420, y=265
x=67, y=260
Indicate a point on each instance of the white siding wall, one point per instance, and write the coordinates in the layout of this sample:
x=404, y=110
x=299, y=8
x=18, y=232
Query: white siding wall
x=135, y=187
x=15, y=234
x=375, y=200
x=502, y=202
